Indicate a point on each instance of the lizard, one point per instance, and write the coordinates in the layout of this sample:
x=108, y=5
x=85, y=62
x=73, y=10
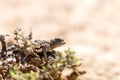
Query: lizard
x=44, y=49
x=37, y=46
x=42, y=46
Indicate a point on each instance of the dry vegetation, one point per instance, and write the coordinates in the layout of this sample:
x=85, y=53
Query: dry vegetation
x=28, y=59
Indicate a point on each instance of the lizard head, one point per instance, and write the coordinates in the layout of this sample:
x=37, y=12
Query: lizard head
x=57, y=42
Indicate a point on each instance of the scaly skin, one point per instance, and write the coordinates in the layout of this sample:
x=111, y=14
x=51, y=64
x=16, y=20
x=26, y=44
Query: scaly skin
x=42, y=46
x=38, y=47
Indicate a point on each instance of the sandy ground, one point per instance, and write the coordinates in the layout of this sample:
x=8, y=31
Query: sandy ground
x=90, y=27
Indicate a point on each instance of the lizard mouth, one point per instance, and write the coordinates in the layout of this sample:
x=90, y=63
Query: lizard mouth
x=61, y=43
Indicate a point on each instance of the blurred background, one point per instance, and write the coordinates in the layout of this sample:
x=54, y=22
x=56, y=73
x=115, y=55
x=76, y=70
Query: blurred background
x=89, y=27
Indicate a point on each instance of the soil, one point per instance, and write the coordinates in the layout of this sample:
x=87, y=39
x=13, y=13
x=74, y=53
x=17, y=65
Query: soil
x=90, y=27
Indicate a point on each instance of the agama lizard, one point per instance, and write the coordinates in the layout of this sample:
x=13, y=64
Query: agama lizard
x=42, y=46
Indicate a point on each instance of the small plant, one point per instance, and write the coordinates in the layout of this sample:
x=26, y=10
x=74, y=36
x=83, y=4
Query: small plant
x=28, y=59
